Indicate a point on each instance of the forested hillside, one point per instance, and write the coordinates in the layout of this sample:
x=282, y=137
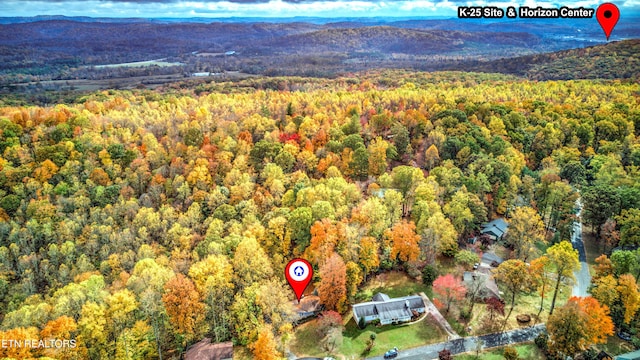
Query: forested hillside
x=139, y=222
x=616, y=60
x=68, y=49
x=389, y=40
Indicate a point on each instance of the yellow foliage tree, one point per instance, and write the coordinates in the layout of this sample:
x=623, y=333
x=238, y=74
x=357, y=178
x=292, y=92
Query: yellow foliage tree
x=629, y=295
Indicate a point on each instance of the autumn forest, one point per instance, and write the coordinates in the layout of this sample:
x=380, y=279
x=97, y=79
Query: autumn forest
x=139, y=222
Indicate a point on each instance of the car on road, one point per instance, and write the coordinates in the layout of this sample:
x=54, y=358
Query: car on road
x=391, y=354
x=475, y=266
x=624, y=336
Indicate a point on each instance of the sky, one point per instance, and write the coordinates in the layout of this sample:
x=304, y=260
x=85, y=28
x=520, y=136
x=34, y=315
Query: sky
x=274, y=8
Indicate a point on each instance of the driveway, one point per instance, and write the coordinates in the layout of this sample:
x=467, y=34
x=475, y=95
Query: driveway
x=468, y=344
x=431, y=309
x=583, y=277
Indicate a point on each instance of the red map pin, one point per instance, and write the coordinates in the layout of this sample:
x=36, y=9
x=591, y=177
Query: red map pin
x=299, y=274
x=607, y=15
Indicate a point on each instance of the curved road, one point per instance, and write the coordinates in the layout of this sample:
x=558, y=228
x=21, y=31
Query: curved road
x=468, y=344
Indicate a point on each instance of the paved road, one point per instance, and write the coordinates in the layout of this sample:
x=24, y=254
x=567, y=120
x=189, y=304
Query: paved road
x=468, y=344
x=583, y=277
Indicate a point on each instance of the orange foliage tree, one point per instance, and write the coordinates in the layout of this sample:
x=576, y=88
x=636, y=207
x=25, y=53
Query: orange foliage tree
x=599, y=323
x=333, y=284
x=265, y=347
x=324, y=237
x=404, y=241
x=13, y=349
x=184, y=307
x=581, y=322
x=604, y=266
x=62, y=328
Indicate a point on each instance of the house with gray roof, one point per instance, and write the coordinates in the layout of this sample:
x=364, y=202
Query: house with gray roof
x=491, y=259
x=495, y=228
x=389, y=310
x=482, y=283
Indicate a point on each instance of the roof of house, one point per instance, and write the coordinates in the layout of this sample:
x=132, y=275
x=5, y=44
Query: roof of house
x=629, y=356
x=497, y=226
x=489, y=287
x=391, y=308
x=488, y=258
x=205, y=350
x=381, y=297
x=307, y=303
x=467, y=276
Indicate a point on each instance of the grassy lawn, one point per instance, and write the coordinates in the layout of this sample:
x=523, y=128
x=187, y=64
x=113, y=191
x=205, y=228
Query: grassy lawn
x=447, y=265
x=403, y=337
x=542, y=246
x=394, y=284
x=501, y=251
x=306, y=342
x=525, y=352
x=525, y=304
x=242, y=353
x=453, y=320
x=616, y=346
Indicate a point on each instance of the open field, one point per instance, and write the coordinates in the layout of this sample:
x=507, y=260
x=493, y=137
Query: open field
x=115, y=83
x=158, y=62
x=202, y=54
x=151, y=81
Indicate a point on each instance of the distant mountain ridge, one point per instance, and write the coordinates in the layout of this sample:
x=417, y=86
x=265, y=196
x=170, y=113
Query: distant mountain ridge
x=615, y=60
x=626, y=27
x=30, y=19
x=101, y=42
x=138, y=39
x=61, y=48
x=387, y=39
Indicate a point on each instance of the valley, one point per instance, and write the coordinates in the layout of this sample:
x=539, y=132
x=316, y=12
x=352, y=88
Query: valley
x=448, y=188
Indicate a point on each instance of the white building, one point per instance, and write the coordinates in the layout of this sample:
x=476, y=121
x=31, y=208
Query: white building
x=387, y=310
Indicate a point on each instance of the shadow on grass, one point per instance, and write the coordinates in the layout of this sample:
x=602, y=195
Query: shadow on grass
x=394, y=284
x=390, y=336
